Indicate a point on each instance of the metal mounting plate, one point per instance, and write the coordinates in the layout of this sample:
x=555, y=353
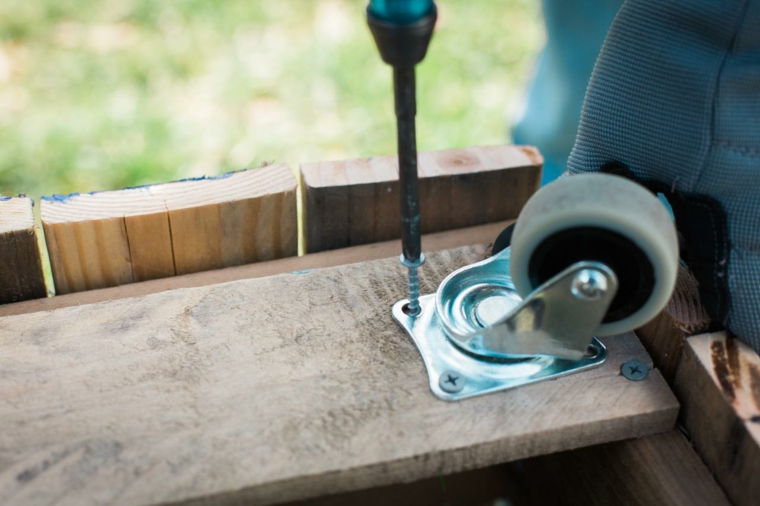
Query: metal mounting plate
x=456, y=375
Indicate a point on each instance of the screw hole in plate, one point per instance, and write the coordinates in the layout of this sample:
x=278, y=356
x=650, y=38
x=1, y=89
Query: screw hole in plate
x=592, y=352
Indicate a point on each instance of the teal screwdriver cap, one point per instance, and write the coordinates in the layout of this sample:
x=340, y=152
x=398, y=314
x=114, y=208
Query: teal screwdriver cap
x=401, y=12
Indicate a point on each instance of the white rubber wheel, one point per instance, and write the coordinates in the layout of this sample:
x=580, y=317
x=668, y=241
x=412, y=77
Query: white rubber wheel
x=608, y=219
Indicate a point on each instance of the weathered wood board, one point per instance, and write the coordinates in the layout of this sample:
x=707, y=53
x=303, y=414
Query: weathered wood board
x=21, y=274
x=353, y=202
x=718, y=383
x=273, y=389
x=112, y=238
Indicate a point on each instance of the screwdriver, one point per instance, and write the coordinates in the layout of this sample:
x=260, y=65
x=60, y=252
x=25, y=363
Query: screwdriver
x=402, y=30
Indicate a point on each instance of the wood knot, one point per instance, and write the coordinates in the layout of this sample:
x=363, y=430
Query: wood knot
x=457, y=159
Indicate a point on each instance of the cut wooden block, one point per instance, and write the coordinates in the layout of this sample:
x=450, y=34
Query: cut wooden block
x=113, y=238
x=21, y=273
x=718, y=383
x=354, y=202
x=662, y=469
x=274, y=389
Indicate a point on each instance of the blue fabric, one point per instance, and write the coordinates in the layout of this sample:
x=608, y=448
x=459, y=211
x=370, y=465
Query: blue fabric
x=575, y=33
x=675, y=96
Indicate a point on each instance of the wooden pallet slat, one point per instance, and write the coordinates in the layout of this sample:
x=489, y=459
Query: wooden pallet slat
x=113, y=238
x=718, y=383
x=353, y=202
x=21, y=273
x=275, y=389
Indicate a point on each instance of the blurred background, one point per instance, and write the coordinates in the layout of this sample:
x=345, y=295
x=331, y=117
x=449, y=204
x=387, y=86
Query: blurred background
x=108, y=94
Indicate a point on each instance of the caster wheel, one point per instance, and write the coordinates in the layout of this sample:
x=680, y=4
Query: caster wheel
x=604, y=218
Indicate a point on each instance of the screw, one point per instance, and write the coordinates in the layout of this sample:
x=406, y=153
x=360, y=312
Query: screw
x=413, y=308
x=589, y=284
x=634, y=370
x=451, y=382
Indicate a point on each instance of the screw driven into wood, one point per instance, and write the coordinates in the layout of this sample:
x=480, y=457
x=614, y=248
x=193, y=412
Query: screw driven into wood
x=634, y=370
x=451, y=382
x=402, y=31
x=413, y=309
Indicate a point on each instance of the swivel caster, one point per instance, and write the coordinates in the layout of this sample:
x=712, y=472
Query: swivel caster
x=606, y=219
x=591, y=254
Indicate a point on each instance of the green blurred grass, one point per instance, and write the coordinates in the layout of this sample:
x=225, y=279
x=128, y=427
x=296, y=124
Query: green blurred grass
x=102, y=95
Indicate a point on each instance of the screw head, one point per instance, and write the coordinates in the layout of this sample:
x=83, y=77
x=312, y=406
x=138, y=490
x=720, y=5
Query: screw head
x=634, y=370
x=589, y=284
x=451, y=382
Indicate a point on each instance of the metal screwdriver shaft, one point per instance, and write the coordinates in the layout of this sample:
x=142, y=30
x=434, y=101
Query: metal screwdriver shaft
x=406, y=110
x=411, y=243
x=402, y=30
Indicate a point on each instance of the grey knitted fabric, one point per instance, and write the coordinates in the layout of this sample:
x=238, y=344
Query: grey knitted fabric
x=675, y=96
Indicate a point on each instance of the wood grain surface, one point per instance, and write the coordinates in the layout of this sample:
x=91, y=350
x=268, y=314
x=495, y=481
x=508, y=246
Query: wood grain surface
x=106, y=239
x=273, y=389
x=353, y=202
x=21, y=273
x=718, y=383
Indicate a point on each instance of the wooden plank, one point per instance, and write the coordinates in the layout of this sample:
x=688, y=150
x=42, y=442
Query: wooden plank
x=684, y=316
x=482, y=234
x=21, y=273
x=274, y=389
x=106, y=239
x=662, y=469
x=718, y=383
x=355, y=202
